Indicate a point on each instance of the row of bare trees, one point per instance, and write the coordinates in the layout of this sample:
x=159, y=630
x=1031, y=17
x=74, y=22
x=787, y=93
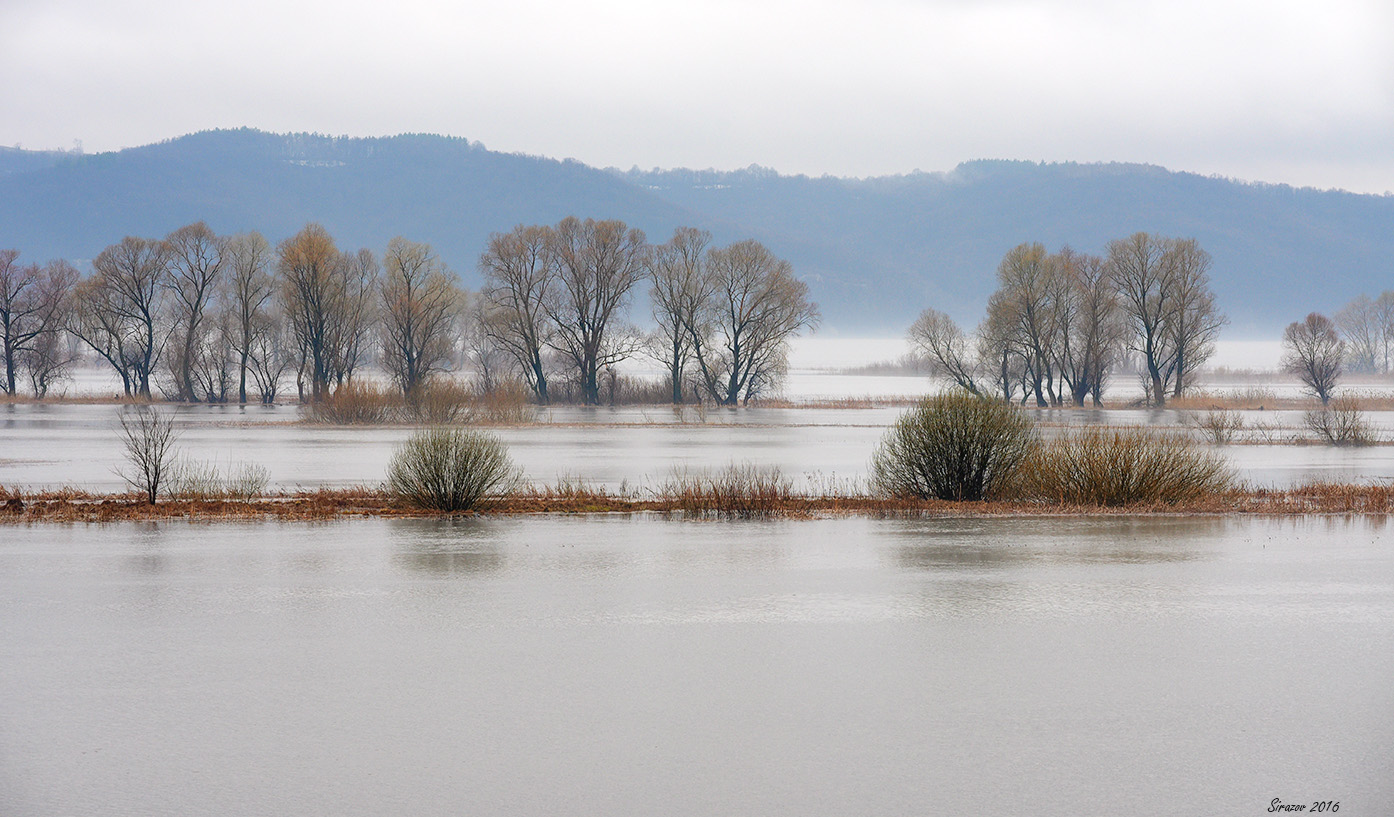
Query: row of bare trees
x=1059, y=324
x=724, y=314
x=211, y=318
x=1366, y=326
x=206, y=316
x=35, y=302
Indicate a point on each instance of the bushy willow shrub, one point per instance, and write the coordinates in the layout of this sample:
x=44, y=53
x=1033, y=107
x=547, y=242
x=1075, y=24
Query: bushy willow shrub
x=1124, y=466
x=450, y=469
x=953, y=446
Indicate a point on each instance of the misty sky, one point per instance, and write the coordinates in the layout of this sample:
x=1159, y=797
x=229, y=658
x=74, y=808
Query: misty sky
x=1270, y=90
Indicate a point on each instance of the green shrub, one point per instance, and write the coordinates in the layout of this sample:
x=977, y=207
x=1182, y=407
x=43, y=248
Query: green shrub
x=1124, y=466
x=450, y=469
x=953, y=446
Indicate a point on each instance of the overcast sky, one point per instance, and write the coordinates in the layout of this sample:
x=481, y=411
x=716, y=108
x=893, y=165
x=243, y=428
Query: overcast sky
x=1268, y=90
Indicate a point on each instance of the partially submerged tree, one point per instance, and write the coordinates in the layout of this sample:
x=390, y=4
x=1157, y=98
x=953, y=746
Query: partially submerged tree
x=249, y=302
x=34, y=310
x=120, y=309
x=681, y=286
x=1164, y=288
x=328, y=303
x=1312, y=352
x=597, y=264
x=196, y=257
x=421, y=307
x=740, y=336
x=518, y=279
x=936, y=338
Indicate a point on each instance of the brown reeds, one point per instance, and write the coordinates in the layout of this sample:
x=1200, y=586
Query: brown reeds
x=744, y=491
x=70, y=505
x=1123, y=466
x=354, y=403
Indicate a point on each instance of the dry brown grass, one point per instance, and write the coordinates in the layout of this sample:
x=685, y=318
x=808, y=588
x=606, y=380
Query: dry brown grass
x=70, y=505
x=1123, y=467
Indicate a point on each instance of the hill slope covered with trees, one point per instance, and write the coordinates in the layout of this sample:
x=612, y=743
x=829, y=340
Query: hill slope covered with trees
x=874, y=251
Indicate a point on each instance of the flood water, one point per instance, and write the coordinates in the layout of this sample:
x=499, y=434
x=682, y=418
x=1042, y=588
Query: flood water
x=639, y=665
x=51, y=445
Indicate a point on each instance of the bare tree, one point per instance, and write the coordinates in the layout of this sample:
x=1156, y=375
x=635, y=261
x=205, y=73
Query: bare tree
x=34, y=306
x=148, y=438
x=270, y=354
x=757, y=305
x=935, y=337
x=357, y=313
x=196, y=262
x=1029, y=285
x=250, y=289
x=420, y=307
x=1089, y=336
x=119, y=310
x=597, y=264
x=482, y=352
x=1002, y=366
x=1367, y=326
x=1194, y=322
x=680, y=287
x=1312, y=352
x=518, y=279
x=327, y=300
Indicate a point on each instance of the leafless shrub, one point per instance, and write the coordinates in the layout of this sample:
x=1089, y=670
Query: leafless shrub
x=148, y=438
x=246, y=481
x=1341, y=422
x=1124, y=466
x=955, y=447
x=450, y=469
x=1218, y=426
x=203, y=480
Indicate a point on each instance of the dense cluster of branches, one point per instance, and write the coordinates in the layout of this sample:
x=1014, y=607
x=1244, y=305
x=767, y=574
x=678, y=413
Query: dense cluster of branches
x=724, y=315
x=1059, y=324
x=213, y=318
x=210, y=318
x=1359, y=339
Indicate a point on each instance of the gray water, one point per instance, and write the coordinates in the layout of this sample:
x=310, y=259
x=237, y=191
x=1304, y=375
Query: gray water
x=50, y=445
x=636, y=665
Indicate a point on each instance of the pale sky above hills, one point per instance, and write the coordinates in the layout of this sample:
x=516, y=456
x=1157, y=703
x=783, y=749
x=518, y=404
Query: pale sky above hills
x=1266, y=90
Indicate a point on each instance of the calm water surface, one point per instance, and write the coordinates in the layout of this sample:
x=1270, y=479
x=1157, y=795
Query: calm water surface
x=637, y=665
x=51, y=445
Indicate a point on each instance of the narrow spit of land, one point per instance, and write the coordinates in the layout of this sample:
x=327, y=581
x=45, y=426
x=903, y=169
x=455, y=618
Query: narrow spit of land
x=73, y=506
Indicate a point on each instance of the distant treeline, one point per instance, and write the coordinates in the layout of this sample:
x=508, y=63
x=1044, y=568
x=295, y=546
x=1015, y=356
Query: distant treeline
x=1059, y=324
x=201, y=317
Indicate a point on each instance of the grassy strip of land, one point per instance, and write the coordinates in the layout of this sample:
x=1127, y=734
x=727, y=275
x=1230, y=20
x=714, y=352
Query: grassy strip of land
x=69, y=506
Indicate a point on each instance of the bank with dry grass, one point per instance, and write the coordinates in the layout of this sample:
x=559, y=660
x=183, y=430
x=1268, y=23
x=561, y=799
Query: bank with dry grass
x=694, y=502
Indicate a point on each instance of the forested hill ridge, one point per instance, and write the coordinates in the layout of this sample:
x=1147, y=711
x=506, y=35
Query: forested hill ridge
x=874, y=251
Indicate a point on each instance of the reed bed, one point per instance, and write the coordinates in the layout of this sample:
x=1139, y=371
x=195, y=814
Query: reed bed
x=1117, y=467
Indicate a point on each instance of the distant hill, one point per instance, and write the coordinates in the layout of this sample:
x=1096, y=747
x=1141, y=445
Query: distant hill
x=875, y=251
